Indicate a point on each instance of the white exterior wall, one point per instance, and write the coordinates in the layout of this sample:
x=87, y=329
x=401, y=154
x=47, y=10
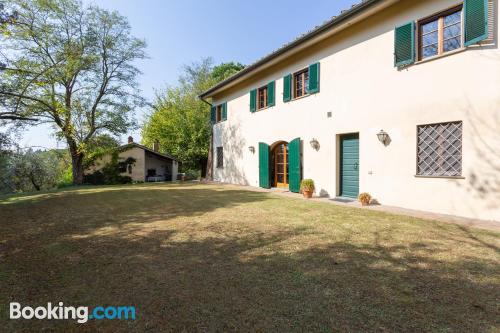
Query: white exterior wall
x=365, y=93
x=161, y=165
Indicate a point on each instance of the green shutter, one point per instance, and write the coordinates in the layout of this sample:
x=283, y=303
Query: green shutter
x=313, y=79
x=212, y=115
x=271, y=100
x=253, y=100
x=287, y=88
x=224, y=111
x=475, y=21
x=294, y=165
x=264, y=165
x=404, y=44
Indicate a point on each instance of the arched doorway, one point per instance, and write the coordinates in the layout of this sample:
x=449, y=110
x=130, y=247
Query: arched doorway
x=279, y=164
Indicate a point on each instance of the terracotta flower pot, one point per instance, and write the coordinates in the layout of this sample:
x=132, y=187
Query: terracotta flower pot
x=307, y=194
x=364, y=203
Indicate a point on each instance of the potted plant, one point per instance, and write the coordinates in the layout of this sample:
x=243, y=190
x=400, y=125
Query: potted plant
x=307, y=188
x=364, y=198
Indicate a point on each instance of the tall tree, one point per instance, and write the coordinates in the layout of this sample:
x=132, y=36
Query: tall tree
x=73, y=67
x=180, y=121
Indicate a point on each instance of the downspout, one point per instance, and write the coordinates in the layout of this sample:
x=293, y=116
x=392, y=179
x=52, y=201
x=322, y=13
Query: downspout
x=209, y=175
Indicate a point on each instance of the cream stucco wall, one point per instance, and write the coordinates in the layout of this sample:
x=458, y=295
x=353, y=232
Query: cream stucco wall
x=365, y=94
x=138, y=169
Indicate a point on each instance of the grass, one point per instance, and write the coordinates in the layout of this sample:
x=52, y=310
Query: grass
x=220, y=258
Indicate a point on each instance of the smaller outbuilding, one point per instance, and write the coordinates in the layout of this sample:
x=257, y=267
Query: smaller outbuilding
x=150, y=165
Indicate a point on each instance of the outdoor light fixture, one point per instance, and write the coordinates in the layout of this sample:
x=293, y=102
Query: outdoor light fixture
x=383, y=137
x=252, y=149
x=315, y=144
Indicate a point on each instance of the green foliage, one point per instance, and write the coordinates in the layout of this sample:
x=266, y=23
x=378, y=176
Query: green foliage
x=307, y=185
x=72, y=66
x=180, y=121
x=99, y=146
x=65, y=178
x=192, y=174
x=29, y=170
x=111, y=173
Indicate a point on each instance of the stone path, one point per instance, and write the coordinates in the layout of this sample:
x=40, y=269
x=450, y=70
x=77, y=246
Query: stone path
x=468, y=222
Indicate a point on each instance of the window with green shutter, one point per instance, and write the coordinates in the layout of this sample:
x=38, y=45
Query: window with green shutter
x=404, y=44
x=287, y=88
x=218, y=113
x=262, y=98
x=213, y=115
x=264, y=165
x=313, y=86
x=295, y=174
x=271, y=87
x=300, y=83
x=253, y=100
x=475, y=21
x=440, y=33
x=224, y=111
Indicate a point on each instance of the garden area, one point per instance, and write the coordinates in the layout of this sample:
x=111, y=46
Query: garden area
x=197, y=257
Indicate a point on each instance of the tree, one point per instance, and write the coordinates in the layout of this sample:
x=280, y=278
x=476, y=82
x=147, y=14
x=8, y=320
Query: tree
x=31, y=170
x=98, y=146
x=180, y=121
x=72, y=67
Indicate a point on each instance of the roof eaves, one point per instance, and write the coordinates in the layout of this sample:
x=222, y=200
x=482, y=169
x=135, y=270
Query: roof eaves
x=147, y=149
x=345, y=14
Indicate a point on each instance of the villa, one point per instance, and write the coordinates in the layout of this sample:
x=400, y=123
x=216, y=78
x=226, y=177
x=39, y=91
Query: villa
x=397, y=98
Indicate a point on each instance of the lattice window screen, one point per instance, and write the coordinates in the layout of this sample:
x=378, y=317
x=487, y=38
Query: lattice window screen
x=440, y=149
x=220, y=157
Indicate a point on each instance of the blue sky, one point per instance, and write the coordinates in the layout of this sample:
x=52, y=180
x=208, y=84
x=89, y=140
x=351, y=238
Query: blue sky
x=185, y=31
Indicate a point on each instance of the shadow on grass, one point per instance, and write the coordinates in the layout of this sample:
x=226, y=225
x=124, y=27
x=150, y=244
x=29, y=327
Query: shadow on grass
x=225, y=276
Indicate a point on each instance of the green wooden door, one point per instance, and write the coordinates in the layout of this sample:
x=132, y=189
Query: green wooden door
x=349, y=165
x=264, y=165
x=294, y=165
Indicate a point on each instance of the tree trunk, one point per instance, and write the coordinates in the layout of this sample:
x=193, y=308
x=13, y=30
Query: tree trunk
x=76, y=162
x=32, y=179
x=203, y=167
x=77, y=166
x=210, y=159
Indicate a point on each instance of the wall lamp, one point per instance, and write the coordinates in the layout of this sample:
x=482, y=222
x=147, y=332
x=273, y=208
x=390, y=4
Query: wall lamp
x=252, y=149
x=315, y=144
x=384, y=137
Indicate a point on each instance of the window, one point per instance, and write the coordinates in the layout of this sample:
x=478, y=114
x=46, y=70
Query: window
x=262, y=98
x=440, y=34
x=439, y=149
x=218, y=113
x=220, y=157
x=300, y=83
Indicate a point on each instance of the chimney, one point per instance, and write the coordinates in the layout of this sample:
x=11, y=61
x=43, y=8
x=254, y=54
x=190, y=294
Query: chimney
x=156, y=145
x=130, y=139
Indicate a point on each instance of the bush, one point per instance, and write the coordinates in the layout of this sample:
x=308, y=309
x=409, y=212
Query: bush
x=110, y=174
x=192, y=174
x=307, y=185
x=364, y=198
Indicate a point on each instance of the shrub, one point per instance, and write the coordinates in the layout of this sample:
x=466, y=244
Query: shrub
x=307, y=185
x=110, y=174
x=192, y=174
x=364, y=198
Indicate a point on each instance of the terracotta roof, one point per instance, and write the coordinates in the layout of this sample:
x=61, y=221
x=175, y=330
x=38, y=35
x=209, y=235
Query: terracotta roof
x=134, y=144
x=327, y=25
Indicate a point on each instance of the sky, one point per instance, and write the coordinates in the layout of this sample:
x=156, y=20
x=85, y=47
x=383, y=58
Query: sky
x=185, y=31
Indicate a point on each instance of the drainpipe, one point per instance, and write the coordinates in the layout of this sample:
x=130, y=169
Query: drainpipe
x=209, y=175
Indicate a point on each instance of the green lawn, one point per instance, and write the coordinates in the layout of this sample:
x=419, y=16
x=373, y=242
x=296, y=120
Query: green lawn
x=221, y=258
